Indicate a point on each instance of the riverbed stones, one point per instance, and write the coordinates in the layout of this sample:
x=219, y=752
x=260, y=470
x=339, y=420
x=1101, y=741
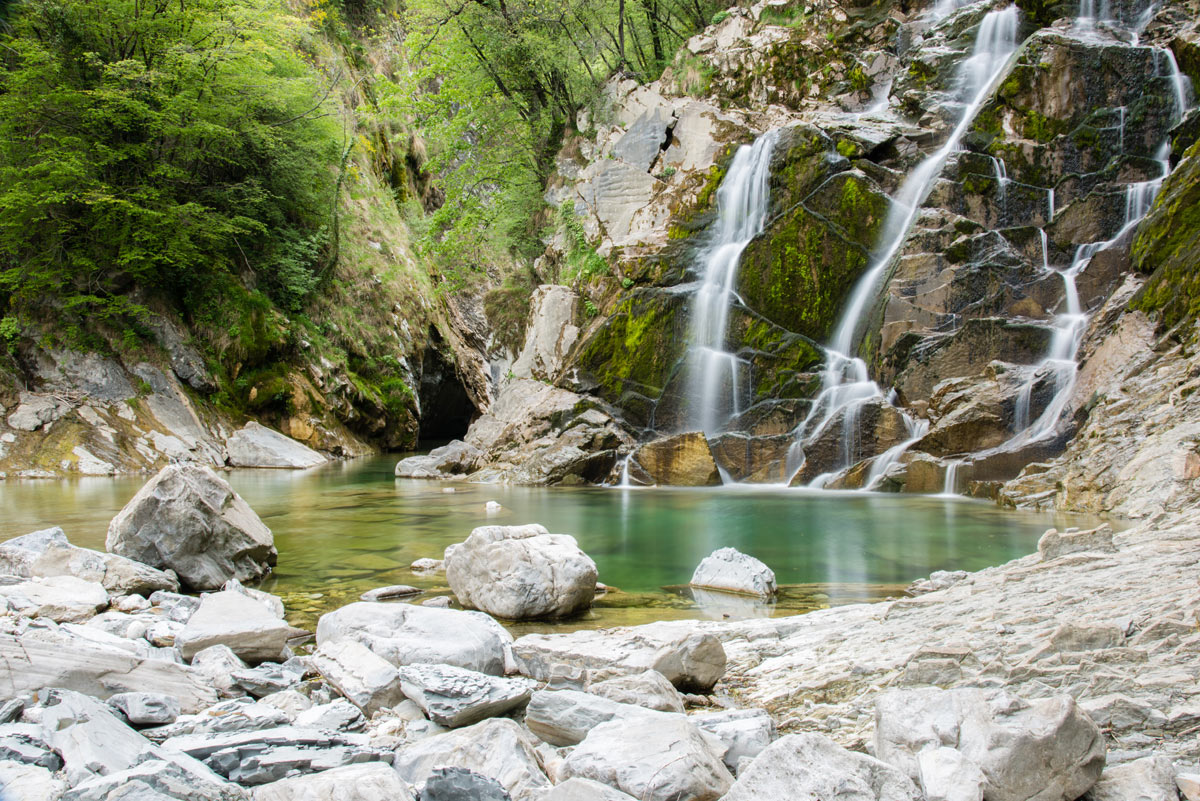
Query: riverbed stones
x=682, y=460
x=154, y=779
x=404, y=634
x=23, y=782
x=255, y=445
x=390, y=592
x=1045, y=748
x=375, y=781
x=46, y=553
x=89, y=736
x=580, y=789
x=809, y=765
x=745, y=732
x=497, y=748
x=730, y=570
x=237, y=621
x=369, y=681
x=455, y=697
x=521, y=572
x=1147, y=779
x=460, y=784
x=648, y=689
x=189, y=520
x=654, y=758
x=691, y=659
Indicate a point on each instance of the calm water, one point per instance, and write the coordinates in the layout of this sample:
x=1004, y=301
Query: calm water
x=347, y=527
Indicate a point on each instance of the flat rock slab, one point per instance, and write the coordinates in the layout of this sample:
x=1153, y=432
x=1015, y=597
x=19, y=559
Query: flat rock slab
x=578, y=789
x=649, y=689
x=404, y=634
x=371, y=782
x=369, y=682
x=57, y=659
x=455, y=697
x=63, y=599
x=564, y=717
x=146, y=709
x=691, y=659
x=237, y=621
x=255, y=445
x=389, y=592
x=157, y=779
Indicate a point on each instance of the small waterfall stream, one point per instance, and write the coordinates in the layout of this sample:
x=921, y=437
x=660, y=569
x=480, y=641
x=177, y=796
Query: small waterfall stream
x=742, y=204
x=846, y=383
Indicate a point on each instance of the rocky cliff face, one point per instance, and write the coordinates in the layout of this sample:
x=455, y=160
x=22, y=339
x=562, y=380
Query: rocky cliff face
x=1026, y=295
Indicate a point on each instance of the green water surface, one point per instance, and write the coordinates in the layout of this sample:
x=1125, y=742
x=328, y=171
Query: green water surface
x=346, y=527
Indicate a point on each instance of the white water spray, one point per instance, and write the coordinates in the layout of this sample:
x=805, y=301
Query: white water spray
x=742, y=205
x=846, y=385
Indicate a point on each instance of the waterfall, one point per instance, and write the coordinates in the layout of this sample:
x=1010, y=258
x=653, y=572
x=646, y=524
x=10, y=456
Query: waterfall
x=1001, y=182
x=846, y=383
x=625, y=483
x=950, y=484
x=742, y=204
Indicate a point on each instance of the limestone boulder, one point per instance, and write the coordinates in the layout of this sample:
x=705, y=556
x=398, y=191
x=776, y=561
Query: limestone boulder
x=809, y=765
x=237, y=621
x=24, y=782
x=454, y=697
x=460, y=784
x=1147, y=779
x=46, y=553
x=683, y=460
x=374, y=781
x=1046, y=748
x=730, y=570
x=579, y=789
x=651, y=758
x=160, y=778
x=255, y=445
x=455, y=458
x=649, y=689
x=690, y=659
x=550, y=333
x=521, y=572
x=497, y=748
x=368, y=681
x=146, y=709
x=745, y=732
x=1054, y=543
x=404, y=634
x=188, y=519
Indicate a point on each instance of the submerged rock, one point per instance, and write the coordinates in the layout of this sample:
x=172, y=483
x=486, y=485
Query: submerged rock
x=731, y=570
x=190, y=520
x=520, y=572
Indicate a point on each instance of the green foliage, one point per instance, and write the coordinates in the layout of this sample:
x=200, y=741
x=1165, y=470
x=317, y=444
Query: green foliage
x=507, y=309
x=10, y=332
x=788, y=16
x=583, y=262
x=719, y=17
x=161, y=145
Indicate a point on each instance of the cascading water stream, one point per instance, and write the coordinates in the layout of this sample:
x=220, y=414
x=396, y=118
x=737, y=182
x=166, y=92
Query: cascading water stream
x=846, y=384
x=742, y=204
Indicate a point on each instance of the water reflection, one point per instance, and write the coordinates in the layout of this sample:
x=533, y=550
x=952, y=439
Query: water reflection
x=346, y=527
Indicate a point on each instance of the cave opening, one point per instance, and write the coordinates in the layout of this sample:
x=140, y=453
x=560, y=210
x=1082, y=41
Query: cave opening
x=447, y=410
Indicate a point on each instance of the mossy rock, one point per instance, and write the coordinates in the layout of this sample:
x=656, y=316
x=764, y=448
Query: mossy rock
x=634, y=352
x=800, y=271
x=1167, y=247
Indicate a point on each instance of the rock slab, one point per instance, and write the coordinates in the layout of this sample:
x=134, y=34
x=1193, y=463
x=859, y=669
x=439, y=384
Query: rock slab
x=454, y=697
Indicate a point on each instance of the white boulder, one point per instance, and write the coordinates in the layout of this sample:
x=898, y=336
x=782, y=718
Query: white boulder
x=374, y=781
x=188, y=519
x=368, y=681
x=521, y=572
x=497, y=748
x=63, y=599
x=413, y=635
x=649, y=689
x=454, y=697
x=564, y=717
x=730, y=570
x=46, y=553
x=745, y=732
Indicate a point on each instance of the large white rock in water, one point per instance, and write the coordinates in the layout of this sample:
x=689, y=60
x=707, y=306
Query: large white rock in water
x=46, y=553
x=731, y=570
x=1046, y=749
x=803, y=766
x=237, y=621
x=653, y=758
x=691, y=659
x=375, y=781
x=521, y=572
x=498, y=748
x=256, y=445
x=188, y=519
x=420, y=635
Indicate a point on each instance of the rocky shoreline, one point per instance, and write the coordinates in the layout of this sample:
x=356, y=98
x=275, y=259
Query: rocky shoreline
x=1066, y=672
